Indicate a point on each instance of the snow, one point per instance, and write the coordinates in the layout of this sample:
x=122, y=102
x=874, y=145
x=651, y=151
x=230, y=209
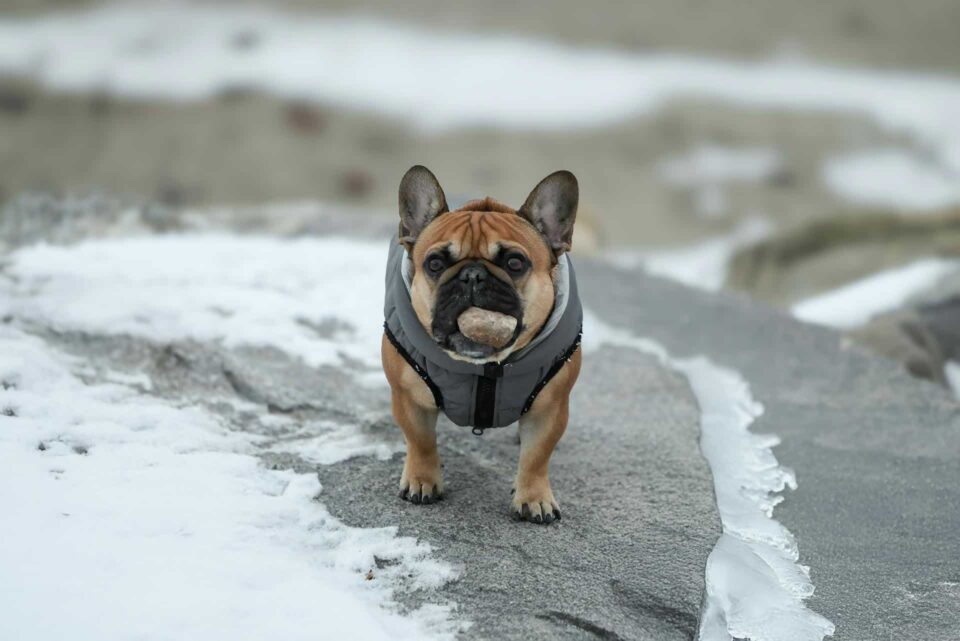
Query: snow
x=952, y=371
x=297, y=295
x=127, y=517
x=709, y=168
x=892, y=178
x=185, y=51
x=856, y=303
x=702, y=265
x=755, y=585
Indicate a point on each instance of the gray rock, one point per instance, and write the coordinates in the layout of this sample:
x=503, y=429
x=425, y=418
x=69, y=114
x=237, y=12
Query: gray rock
x=876, y=452
x=639, y=519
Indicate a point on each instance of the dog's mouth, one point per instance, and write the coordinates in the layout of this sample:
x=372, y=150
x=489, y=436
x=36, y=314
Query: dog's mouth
x=463, y=345
x=476, y=291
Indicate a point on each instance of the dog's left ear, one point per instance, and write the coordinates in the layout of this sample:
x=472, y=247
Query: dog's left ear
x=421, y=200
x=552, y=208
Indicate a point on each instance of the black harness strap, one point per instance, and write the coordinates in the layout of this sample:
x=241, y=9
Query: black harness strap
x=437, y=396
x=553, y=371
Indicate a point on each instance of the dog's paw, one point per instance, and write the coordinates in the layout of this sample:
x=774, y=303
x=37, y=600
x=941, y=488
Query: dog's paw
x=421, y=488
x=535, y=506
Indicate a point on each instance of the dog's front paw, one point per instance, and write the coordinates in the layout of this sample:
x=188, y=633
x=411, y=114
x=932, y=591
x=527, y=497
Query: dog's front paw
x=423, y=486
x=534, y=502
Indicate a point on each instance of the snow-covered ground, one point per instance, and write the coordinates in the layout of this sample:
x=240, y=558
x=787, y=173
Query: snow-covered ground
x=703, y=265
x=188, y=51
x=707, y=171
x=231, y=547
x=892, y=178
x=856, y=303
x=952, y=372
x=755, y=585
x=128, y=517
x=184, y=51
x=118, y=502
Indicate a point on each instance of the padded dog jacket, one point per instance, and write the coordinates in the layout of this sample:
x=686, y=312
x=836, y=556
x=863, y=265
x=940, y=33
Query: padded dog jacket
x=489, y=394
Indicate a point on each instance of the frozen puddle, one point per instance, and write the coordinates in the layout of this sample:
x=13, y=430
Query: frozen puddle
x=126, y=516
x=755, y=585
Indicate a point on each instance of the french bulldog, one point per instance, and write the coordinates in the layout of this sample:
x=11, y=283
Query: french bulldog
x=487, y=263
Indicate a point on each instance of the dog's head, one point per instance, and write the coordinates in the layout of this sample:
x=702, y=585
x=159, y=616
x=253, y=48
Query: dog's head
x=485, y=255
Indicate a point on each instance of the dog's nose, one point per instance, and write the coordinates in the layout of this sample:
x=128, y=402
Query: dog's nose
x=473, y=274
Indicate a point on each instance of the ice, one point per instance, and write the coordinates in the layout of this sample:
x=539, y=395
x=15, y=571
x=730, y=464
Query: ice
x=856, y=303
x=755, y=585
x=127, y=517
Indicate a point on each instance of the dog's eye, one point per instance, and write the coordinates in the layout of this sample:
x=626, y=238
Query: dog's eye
x=435, y=265
x=516, y=264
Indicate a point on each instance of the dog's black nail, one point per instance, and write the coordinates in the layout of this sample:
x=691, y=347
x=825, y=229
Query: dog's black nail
x=548, y=518
x=517, y=516
x=513, y=491
x=405, y=493
x=557, y=514
x=415, y=498
x=525, y=511
x=427, y=499
x=537, y=518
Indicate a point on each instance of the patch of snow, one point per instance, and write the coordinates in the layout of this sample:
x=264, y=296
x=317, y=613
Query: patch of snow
x=328, y=442
x=856, y=303
x=755, y=585
x=186, y=51
x=708, y=168
x=892, y=178
x=702, y=265
x=297, y=295
x=952, y=372
x=126, y=517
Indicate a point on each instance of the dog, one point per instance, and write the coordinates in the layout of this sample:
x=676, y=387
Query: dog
x=518, y=359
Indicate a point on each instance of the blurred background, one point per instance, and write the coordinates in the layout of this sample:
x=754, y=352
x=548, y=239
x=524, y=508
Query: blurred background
x=805, y=154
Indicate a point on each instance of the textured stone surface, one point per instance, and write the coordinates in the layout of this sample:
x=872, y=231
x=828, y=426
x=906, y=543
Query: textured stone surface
x=877, y=456
x=876, y=452
x=627, y=560
x=639, y=519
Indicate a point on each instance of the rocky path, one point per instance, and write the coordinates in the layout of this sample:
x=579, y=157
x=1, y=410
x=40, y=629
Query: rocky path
x=876, y=453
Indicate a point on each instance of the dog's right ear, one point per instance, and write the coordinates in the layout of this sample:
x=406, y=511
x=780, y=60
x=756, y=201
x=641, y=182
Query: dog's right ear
x=421, y=200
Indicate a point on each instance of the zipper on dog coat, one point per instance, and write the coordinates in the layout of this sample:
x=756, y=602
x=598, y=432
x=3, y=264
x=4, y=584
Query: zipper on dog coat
x=484, y=395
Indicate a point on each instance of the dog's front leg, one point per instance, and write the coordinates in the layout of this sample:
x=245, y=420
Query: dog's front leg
x=540, y=431
x=416, y=413
x=422, y=479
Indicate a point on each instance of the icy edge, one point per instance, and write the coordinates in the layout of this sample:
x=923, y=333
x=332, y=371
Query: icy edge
x=755, y=585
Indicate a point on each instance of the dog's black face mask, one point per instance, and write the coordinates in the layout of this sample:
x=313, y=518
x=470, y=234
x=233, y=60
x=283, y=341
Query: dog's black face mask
x=473, y=286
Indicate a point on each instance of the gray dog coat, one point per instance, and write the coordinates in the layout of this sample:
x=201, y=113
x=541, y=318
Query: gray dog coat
x=489, y=394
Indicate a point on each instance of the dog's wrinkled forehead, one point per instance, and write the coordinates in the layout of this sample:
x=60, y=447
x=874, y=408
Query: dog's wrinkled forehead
x=482, y=229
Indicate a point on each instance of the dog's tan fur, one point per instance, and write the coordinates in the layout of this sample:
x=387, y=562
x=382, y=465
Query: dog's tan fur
x=475, y=231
